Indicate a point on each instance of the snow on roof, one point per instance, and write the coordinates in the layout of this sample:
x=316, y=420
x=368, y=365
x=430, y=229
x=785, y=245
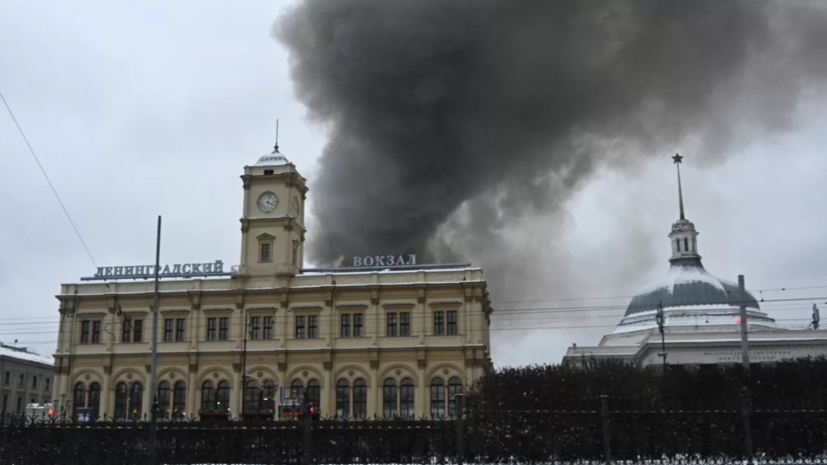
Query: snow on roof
x=689, y=284
x=26, y=356
x=684, y=275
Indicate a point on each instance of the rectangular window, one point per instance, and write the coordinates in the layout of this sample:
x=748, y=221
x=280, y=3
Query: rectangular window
x=168, y=323
x=46, y=387
x=392, y=328
x=268, y=327
x=210, y=329
x=33, y=401
x=5, y=402
x=84, y=332
x=180, y=327
x=345, y=332
x=34, y=382
x=126, y=333
x=223, y=329
x=452, y=322
x=138, y=329
x=439, y=323
x=96, y=332
x=7, y=379
x=22, y=380
x=312, y=327
x=255, y=328
x=405, y=324
x=357, y=325
x=19, y=401
x=265, y=252
x=299, y=327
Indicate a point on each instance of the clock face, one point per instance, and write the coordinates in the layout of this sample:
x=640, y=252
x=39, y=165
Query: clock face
x=267, y=202
x=295, y=207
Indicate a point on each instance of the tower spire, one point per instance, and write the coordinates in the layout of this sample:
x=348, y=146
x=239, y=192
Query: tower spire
x=678, y=160
x=276, y=147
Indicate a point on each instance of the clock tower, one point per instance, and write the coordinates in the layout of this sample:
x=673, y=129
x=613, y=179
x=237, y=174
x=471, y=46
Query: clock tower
x=272, y=223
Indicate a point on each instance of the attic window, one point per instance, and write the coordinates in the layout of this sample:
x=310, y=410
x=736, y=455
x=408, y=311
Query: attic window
x=268, y=171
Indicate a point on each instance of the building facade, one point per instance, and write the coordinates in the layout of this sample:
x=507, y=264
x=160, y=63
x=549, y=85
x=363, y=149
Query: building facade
x=27, y=379
x=359, y=342
x=693, y=318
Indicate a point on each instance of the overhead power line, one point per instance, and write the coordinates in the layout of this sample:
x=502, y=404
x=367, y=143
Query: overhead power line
x=575, y=299
x=42, y=170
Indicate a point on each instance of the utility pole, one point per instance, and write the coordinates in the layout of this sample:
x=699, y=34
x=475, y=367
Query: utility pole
x=743, y=318
x=660, y=320
x=816, y=316
x=153, y=381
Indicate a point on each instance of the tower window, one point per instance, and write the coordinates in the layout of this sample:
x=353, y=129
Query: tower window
x=268, y=171
x=686, y=244
x=265, y=252
x=679, y=245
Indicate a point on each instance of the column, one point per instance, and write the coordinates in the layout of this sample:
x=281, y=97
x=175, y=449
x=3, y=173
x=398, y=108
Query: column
x=192, y=407
x=283, y=325
x=465, y=311
x=422, y=399
x=421, y=315
x=375, y=314
x=105, y=408
x=236, y=392
x=146, y=403
x=327, y=400
x=375, y=390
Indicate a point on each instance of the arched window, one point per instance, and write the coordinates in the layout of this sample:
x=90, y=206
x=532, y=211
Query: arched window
x=179, y=400
x=78, y=399
x=389, y=398
x=678, y=241
x=269, y=390
x=454, y=403
x=343, y=398
x=437, y=398
x=296, y=389
x=136, y=400
x=120, y=402
x=407, y=399
x=95, y=399
x=252, y=396
x=207, y=396
x=222, y=396
x=314, y=392
x=163, y=399
x=686, y=244
x=360, y=398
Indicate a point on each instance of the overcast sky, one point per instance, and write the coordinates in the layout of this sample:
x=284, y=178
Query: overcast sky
x=139, y=109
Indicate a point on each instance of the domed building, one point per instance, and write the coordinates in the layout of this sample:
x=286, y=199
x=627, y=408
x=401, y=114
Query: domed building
x=691, y=317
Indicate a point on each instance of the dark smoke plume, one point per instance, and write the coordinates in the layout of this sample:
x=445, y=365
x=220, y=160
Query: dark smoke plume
x=451, y=120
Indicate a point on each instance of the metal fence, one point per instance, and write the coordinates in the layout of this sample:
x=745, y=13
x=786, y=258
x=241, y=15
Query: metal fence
x=596, y=436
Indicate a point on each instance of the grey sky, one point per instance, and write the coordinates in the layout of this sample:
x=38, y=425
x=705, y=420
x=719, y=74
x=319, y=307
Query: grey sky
x=144, y=108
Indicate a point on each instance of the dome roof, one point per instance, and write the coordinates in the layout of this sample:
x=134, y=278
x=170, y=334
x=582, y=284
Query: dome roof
x=688, y=284
x=272, y=159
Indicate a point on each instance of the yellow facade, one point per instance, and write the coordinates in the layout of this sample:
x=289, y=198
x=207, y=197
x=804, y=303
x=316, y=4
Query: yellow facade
x=405, y=327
